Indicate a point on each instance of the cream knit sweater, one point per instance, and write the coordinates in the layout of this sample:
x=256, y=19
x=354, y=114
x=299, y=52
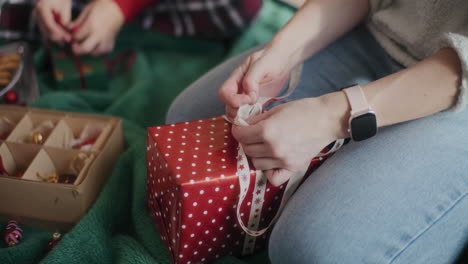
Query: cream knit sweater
x=411, y=30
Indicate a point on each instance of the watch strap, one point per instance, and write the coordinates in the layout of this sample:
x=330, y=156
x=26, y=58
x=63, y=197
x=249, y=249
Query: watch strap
x=357, y=100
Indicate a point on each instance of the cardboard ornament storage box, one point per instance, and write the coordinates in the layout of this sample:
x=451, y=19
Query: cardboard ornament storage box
x=25, y=194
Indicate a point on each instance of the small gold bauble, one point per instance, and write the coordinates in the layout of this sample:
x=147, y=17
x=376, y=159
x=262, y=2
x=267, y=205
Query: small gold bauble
x=53, y=178
x=37, y=138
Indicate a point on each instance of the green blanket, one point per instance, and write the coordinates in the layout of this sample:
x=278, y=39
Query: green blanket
x=117, y=229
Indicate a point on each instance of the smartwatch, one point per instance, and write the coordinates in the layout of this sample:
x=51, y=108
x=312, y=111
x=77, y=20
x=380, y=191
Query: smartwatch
x=362, y=122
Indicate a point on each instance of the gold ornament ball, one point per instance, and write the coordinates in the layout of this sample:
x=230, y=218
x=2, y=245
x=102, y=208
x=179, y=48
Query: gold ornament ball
x=37, y=138
x=53, y=178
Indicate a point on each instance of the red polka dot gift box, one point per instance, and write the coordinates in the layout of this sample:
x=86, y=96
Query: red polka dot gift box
x=195, y=178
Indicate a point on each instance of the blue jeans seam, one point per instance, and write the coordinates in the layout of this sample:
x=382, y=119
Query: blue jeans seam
x=421, y=233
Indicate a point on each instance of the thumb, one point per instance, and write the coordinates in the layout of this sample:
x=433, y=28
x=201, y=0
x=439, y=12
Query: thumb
x=65, y=15
x=278, y=176
x=251, y=82
x=230, y=92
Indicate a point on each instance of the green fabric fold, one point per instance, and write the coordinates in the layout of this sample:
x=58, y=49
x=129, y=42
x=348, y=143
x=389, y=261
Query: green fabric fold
x=117, y=228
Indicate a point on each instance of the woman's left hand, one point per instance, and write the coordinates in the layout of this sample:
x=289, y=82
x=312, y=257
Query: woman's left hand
x=284, y=139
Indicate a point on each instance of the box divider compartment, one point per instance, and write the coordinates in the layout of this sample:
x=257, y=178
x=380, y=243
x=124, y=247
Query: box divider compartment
x=69, y=130
x=101, y=166
x=61, y=136
x=9, y=118
x=30, y=122
x=108, y=122
x=17, y=157
x=60, y=162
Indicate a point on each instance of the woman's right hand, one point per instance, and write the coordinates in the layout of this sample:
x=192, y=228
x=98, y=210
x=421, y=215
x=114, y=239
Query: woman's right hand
x=264, y=73
x=45, y=10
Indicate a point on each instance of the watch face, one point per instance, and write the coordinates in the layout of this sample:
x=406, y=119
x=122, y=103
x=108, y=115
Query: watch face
x=363, y=126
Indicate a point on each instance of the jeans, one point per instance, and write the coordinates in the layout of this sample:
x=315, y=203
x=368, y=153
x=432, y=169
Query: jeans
x=399, y=197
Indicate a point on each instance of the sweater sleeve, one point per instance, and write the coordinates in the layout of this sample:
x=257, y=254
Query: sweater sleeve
x=131, y=8
x=459, y=42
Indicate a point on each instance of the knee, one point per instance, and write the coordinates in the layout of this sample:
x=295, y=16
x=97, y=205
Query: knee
x=289, y=245
x=172, y=115
x=307, y=234
x=181, y=110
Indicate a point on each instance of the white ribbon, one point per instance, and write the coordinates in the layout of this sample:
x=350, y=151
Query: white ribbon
x=243, y=171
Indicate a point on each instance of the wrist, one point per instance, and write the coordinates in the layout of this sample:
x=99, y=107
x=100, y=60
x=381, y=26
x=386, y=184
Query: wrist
x=287, y=51
x=336, y=110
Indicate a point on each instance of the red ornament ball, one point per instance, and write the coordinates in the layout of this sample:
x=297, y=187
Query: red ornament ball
x=11, y=97
x=13, y=233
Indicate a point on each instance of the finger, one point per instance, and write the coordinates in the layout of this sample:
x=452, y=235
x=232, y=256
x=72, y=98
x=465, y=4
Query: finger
x=278, y=176
x=75, y=28
x=231, y=91
x=99, y=49
x=251, y=81
x=231, y=112
x=102, y=48
x=66, y=16
x=62, y=19
x=81, y=27
x=262, y=116
x=86, y=46
x=82, y=33
x=265, y=163
x=248, y=134
x=54, y=30
x=258, y=151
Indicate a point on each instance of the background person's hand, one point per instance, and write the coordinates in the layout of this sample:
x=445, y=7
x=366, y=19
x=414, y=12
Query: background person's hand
x=264, y=73
x=95, y=29
x=45, y=10
x=284, y=139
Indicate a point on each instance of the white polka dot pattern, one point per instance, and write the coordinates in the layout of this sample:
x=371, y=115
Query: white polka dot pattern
x=192, y=191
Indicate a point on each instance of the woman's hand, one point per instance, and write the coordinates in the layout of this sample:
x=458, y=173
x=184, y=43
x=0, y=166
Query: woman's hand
x=315, y=25
x=264, y=73
x=94, y=31
x=284, y=139
x=45, y=10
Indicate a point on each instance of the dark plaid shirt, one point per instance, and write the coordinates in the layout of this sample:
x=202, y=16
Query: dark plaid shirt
x=208, y=18
x=214, y=18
